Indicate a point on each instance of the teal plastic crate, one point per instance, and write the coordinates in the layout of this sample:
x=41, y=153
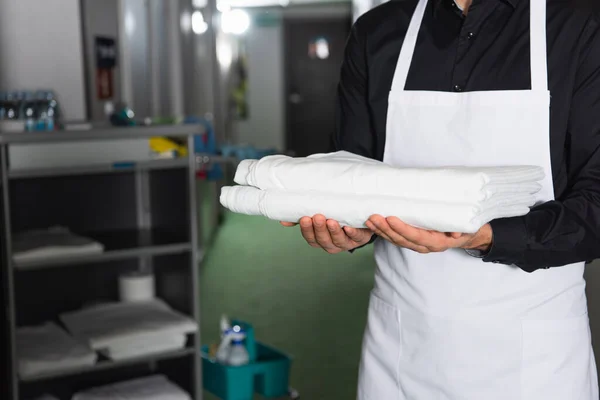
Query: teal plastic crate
x=268, y=373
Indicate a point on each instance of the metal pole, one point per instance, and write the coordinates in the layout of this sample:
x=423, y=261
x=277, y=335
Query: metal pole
x=217, y=81
x=194, y=239
x=10, y=289
x=144, y=216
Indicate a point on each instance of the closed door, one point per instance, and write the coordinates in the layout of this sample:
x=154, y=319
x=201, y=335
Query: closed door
x=314, y=52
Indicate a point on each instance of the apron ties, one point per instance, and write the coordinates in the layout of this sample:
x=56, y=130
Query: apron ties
x=446, y=326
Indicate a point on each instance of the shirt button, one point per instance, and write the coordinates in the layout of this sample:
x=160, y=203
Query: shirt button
x=470, y=35
x=458, y=88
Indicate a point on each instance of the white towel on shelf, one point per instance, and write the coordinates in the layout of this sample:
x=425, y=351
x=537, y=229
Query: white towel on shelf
x=156, y=387
x=53, y=242
x=47, y=348
x=144, y=346
x=344, y=172
x=106, y=324
x=355, y=210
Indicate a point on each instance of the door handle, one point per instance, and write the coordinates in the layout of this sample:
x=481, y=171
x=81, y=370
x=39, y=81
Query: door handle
x=295, y=98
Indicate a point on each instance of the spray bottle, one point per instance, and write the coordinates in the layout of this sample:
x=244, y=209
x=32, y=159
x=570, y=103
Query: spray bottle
x=238, y=354
x=225, y=345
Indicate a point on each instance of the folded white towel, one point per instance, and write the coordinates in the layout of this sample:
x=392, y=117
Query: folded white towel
x=53, y=242
x=348, y=173
x=108, y=324
x=144, y=345
x=156, y=387
x=355, y=210
x=47, y=348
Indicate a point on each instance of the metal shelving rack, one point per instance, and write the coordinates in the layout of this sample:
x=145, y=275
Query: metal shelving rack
x=139, y=248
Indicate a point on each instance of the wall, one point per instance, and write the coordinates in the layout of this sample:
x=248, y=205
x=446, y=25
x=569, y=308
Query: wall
x=41, y=47
x=264, y=43
x=265, y=125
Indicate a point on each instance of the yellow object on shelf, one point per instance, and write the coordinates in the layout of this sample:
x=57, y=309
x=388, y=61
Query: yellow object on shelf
x=163, y=145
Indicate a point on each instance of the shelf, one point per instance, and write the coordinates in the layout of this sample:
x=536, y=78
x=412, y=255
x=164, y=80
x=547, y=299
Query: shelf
x=99, y=168
x=106, y=364
x=99, y=133
x=119, y=245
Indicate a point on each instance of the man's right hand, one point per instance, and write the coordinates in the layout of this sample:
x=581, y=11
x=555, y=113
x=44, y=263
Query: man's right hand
x=330, y=236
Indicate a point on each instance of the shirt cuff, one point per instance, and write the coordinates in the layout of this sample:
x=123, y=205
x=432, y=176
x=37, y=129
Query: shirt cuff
x=509, y=242
x=477, y=253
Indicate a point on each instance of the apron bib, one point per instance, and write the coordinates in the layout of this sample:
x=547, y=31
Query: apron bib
x=447, y=326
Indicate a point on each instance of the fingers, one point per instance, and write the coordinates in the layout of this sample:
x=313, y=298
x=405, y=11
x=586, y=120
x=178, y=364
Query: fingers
x=308, y=233
x=330, y=236
x=288, y=224
x=337, y=234
x=360, y=236
x=383, y=229
x=434, y=241
x=322, y=234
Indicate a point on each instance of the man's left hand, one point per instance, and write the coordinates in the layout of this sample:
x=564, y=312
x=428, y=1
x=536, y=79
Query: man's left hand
x=423, y=241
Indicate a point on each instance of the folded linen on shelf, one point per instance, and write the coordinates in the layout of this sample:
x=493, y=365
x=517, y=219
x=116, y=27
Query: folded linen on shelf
x=48, y=348
x=344, y=172
x=156, y=387
x=53, y=242
x=355, y=210
x=110, y=324
x=144, y=345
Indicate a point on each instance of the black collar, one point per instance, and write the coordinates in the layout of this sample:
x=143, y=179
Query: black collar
x=439, y=3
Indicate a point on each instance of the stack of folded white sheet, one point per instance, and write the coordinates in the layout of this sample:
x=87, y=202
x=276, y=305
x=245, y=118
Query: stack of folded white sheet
x=47, y=348
x=52, y=242
x=156, y=387
x=350, y=188
x=128, y=330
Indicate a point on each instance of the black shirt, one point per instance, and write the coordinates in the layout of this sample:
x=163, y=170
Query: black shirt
x=489, y=50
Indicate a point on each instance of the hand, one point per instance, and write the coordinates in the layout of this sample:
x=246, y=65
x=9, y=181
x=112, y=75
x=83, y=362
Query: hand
x=328, y=235
x=423, y=241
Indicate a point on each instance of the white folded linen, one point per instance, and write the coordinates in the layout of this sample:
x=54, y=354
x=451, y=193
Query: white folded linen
x=344, y=172
x=111, y=324
x=53, y=242
x=47, y=348
x=144, y=345
x=355, y=210
x=156, y=387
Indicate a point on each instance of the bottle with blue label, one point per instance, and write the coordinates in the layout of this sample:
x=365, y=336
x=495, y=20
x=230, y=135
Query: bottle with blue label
x=2, y=106
x=12, y=106
x=53, y=112
x=29, y=111
x=238, y=355
x=42, y=110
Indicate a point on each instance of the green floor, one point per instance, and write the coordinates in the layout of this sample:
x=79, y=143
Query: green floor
x=310, y=304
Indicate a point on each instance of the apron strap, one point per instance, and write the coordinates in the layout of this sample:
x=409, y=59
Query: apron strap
x=408, y=47
x=539, y=57
x=539, y=63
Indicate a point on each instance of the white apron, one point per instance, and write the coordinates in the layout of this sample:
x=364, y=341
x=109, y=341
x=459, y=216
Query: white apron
x=447, y=326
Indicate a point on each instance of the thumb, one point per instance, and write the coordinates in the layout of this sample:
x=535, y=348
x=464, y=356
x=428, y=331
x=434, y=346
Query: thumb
x=357, y=235
x=456, y=235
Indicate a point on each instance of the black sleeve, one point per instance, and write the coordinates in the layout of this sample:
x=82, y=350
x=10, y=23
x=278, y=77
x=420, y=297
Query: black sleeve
x=353, y=131
x=567, y=230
